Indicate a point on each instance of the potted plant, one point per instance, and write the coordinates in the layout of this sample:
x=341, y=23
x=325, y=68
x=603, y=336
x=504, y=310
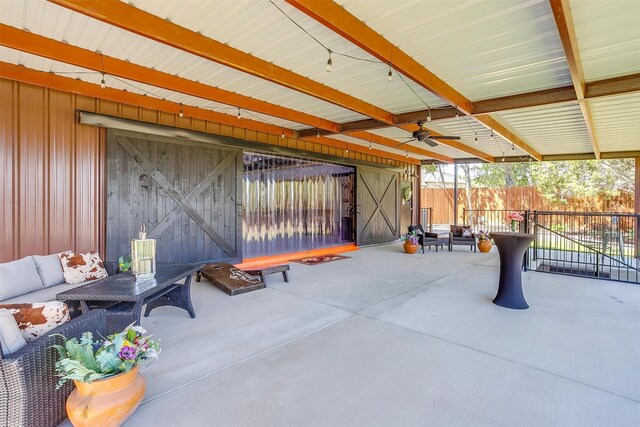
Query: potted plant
x=515, y=217
x=484, y=241
x=105, y=372
x=411, y=241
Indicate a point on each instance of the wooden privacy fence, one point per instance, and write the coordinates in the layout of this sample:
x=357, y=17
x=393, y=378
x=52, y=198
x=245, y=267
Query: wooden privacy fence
x=523, y=198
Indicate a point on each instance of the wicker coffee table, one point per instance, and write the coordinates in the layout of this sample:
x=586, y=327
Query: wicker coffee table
x=122, y=294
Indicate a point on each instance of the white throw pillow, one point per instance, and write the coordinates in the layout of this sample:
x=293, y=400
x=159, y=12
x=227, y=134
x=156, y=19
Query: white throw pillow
x=49, y=269
x=10, y=336
x=80, y=268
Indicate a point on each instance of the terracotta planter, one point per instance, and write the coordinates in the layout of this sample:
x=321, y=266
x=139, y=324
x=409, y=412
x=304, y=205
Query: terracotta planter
x=484, y=246
x=409, y=248
x=107, y=402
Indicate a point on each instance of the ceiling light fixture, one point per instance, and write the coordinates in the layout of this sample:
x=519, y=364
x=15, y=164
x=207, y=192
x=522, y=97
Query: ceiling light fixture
x=329, y=62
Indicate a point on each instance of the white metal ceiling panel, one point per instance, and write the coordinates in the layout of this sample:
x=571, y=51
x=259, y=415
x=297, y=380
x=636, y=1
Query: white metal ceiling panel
x=608, y=37
x=550, y=130
x=484, y=49
x=264, y=31
x=58, y=23
x=617, y=127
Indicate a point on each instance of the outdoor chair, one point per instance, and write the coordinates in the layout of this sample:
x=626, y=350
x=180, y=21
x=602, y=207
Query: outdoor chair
x=457, y=237
x=425, y=238
x=28, y=394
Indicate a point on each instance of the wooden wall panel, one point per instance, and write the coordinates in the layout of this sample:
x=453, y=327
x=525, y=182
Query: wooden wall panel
x=52, y=168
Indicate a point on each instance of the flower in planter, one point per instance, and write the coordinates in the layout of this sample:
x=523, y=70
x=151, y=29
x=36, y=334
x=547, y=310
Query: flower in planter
x=484, y=235
x=515, y=216
x=411, y=237
x=88, y=360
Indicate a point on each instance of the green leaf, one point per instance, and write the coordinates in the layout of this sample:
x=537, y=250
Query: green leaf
x=108, y=361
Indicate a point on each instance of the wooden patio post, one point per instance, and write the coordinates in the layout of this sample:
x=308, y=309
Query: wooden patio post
x=455, y=194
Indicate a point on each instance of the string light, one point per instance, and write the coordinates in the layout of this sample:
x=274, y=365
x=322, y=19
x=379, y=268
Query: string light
x=282, y=135
x=181, y=113
x=103, y=84
x=503, y=157
x=429, y=114
x=239, y=113
x=390, y=74
x=476, y=138
x=406, y=153
x=318, y=134
x=369, y=145
x=329, y=62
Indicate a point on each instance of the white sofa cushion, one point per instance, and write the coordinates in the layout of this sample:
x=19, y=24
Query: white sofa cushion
x=50, y=269
x=10, y=337
x=18, y=278
x=41, y=295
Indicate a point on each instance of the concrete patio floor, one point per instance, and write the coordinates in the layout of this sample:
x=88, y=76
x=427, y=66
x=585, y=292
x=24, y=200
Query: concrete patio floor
x=389, y=339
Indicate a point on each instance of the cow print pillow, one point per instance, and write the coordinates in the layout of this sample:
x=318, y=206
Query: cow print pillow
x=80, y=268
x=37, y=319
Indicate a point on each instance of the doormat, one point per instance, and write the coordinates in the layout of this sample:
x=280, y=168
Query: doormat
x=321, y=259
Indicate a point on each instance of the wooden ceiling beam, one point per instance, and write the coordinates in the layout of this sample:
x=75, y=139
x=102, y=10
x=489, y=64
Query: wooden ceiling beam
x=392, y=143
x=490, y=123
x=49, y=80
x=611, y=87
x=63, y=52
x=452, y=143
x=562, y=15
x=137, y=21
x=342, y=145
x=339, y=20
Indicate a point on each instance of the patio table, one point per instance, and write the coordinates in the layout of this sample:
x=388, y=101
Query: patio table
x=122, y=293
x=511, y=248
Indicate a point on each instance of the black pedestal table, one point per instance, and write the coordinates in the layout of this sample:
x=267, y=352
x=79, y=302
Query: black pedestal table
x=511, y=247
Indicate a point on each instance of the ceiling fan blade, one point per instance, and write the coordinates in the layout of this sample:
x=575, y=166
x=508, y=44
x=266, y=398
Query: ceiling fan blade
x=445, y=137
x=430, y=142
x=406, y=142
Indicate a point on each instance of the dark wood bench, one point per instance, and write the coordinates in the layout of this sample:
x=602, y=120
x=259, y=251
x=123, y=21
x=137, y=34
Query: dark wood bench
x=270, y=270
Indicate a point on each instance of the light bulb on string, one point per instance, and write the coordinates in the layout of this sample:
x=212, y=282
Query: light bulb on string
x=429, y=115
x=390, y=74
x=370, y=145
x=503, y=157
x=181, y=113
x=239, y=113
x=329, y=63
x=103, y=83
x=282, y=135
x=318, y=134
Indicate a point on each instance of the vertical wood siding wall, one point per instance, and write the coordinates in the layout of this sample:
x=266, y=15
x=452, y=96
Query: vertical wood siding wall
x=52, y=168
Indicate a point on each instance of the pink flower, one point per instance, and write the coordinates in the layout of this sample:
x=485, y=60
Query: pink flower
x=515, y=216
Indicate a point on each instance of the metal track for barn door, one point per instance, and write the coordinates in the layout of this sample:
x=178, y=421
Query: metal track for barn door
x=183, y=203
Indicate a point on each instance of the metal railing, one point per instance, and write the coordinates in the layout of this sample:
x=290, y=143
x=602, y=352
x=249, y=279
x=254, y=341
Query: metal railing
x=603, y=245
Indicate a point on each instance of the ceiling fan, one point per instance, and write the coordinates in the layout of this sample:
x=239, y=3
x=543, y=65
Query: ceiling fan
x=422, y=134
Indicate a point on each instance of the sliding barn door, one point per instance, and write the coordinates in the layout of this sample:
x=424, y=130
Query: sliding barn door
x=377, y=206
x=186, y=194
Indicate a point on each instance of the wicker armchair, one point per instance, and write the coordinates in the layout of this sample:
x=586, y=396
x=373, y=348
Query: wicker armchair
x=28, y=395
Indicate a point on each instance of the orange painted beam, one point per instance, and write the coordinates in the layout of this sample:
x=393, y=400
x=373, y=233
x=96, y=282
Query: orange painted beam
x=564, y=21
x=338, y=19
x=63, y=52
x=392, y=143
x=342, y=145
x=127, y=17
x=49, y=80
x=453, y=144
x=52, y=81
x=505, y=133
x=266, y=261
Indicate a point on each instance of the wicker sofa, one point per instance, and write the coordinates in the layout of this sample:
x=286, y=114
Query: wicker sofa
x=28, y=395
